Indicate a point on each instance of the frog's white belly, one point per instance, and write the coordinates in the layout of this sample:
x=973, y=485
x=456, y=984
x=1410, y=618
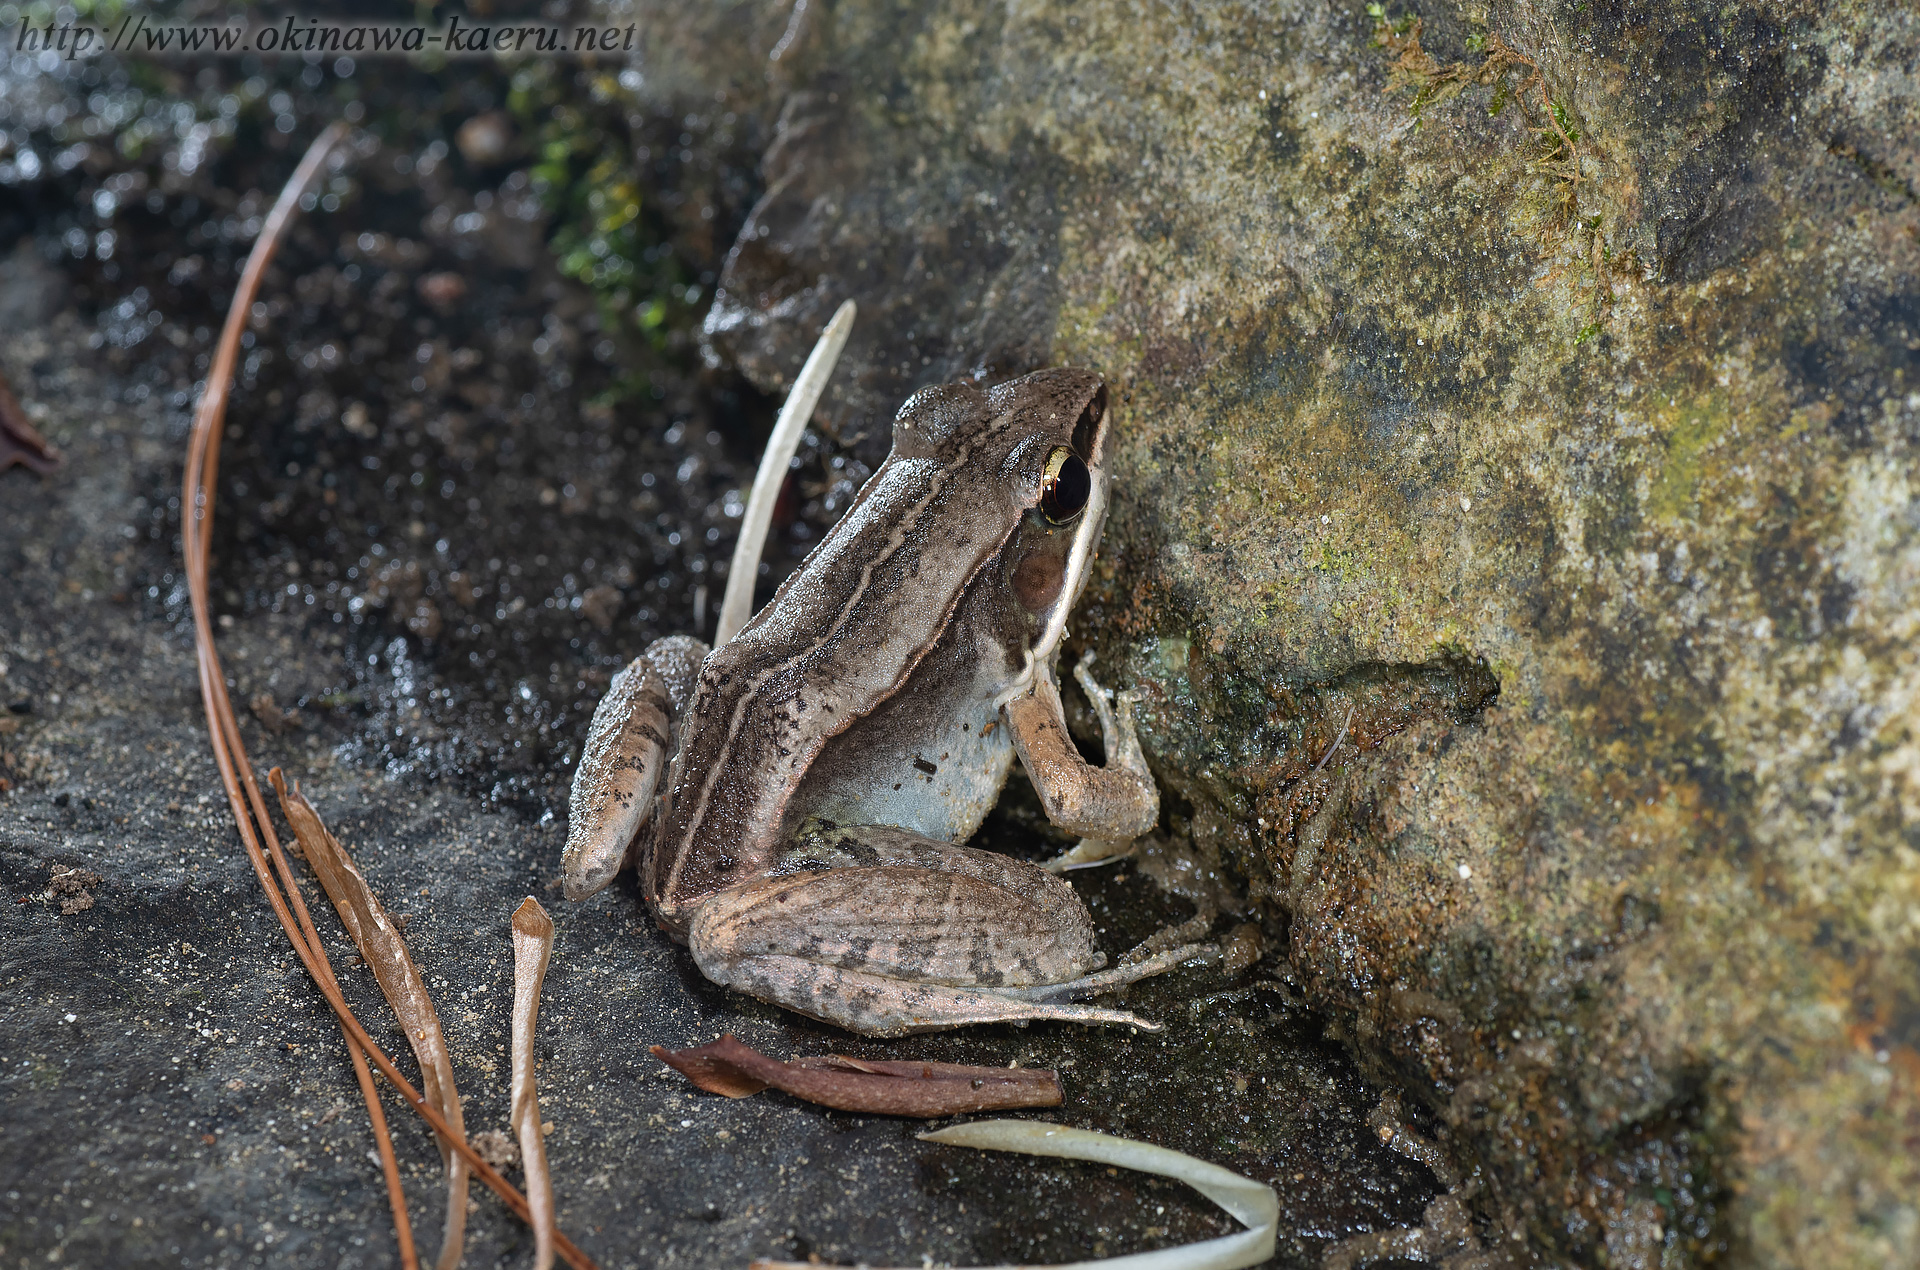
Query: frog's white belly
x=931, y=759
x=970, y=765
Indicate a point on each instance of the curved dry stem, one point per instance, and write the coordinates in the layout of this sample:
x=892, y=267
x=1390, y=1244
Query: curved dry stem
x=737, y=607
x=203, y=458
x=532, y=946
x=236, y=773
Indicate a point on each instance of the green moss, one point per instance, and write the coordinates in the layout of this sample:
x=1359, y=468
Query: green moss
x=587, y=174
x=1691, y=431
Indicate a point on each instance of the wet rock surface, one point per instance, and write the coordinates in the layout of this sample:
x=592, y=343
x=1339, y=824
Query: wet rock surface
x=457, y=490
x=1569, y=344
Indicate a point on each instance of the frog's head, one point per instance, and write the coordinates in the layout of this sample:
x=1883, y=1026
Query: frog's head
x=1056, y=478
x=1035, y=449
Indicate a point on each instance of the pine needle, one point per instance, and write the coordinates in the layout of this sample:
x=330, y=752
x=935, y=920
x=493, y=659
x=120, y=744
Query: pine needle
x=244, y=798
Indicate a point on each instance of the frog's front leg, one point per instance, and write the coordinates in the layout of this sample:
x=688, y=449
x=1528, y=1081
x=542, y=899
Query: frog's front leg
x=1115, y=803
x=886, y=933
x=629, y=744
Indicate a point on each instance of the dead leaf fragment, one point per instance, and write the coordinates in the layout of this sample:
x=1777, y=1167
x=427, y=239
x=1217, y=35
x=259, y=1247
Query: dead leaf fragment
x=71, y=888
x=728, y=1067
x=271, y=716
x=378, y=938
x=20, y=442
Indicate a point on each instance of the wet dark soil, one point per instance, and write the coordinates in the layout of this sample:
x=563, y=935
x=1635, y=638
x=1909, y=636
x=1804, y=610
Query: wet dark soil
x=458, y=489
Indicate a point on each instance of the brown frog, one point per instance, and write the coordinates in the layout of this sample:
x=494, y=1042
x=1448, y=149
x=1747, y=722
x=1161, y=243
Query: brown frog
x=826, y=763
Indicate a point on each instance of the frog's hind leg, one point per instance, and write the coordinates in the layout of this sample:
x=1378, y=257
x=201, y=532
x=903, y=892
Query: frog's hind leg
x=628, y=745
x=887, y=933
x=876, y=1005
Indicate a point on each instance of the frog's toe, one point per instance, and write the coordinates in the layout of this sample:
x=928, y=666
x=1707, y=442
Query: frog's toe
x=1122, y=975
x=590, y=864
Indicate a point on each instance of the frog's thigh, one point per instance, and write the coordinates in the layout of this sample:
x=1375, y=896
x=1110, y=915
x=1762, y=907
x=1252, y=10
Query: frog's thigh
x=904, y=922
x=874, y=1005
x=897, y=948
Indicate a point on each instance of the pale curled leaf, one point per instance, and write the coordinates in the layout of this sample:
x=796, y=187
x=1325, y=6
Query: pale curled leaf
x=532, y=946
x=1254, y=1204
x=385, y=951
x=737, y=607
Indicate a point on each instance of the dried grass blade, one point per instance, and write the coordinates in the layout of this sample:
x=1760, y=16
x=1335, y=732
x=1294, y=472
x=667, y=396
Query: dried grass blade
x=532, y=946
x=380, y=943
x=737, y=606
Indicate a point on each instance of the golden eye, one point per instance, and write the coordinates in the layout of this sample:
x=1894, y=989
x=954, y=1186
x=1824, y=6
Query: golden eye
x=1065, y=488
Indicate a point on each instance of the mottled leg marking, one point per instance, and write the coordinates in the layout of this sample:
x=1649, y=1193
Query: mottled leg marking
x=874, y=1005
x=884, y=932
x=629, y=744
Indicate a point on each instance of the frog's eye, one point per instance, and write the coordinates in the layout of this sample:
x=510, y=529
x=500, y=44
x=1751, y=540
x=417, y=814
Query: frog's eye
x=1066, y=486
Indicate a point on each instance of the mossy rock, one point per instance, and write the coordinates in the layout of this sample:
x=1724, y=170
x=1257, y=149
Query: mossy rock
x=1606, y=397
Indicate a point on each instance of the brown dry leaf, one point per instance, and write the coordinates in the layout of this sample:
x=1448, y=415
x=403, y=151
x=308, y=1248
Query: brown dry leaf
x=727, y=1066
x=378, y=939
x=20, y=442
x=271, y=716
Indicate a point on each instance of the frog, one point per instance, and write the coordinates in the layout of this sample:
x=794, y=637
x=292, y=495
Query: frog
x=797, y=799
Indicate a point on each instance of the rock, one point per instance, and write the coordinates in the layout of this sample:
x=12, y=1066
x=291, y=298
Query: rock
x=1575, y=342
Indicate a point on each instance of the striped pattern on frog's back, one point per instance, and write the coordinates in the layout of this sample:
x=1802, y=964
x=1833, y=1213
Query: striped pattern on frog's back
x=848, y=627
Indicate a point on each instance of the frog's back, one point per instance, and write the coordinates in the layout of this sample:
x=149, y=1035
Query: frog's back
x=844, y=631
